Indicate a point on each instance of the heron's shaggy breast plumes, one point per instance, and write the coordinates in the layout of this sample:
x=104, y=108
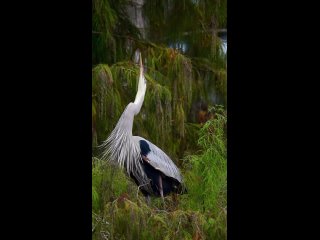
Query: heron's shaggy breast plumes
x=121, y=149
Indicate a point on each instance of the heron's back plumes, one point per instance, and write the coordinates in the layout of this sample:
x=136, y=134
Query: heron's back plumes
x=159, y=159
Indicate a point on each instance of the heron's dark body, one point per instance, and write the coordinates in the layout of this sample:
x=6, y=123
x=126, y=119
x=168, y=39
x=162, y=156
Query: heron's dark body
x=169, y=184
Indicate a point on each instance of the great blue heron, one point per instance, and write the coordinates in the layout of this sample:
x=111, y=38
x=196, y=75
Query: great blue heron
x=151, y=169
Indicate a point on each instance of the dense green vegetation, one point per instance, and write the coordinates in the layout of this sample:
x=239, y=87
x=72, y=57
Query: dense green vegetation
x=176, y=79
x=119, y=212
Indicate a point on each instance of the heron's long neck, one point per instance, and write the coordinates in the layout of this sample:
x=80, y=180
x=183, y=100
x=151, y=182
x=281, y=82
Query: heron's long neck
x=120, y=146
x=141, y=93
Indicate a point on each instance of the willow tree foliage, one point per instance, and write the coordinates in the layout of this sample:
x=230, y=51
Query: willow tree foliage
x=177, y=76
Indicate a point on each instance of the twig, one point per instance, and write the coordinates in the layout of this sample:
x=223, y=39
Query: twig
x=178, y=226
x=141, y=186
x=159, y=210
x=105, y=234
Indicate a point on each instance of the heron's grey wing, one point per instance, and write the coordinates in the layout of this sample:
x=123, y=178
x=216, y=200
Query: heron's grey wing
x=162, y=162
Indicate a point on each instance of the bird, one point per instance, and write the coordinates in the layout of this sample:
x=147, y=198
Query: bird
x=151, y=169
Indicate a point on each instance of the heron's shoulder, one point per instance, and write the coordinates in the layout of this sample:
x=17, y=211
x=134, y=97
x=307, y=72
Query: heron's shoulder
x=137, y=138
x=142, y=142
x=148, y=146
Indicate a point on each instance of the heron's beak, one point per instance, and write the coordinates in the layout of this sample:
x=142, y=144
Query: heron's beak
x=141, y=68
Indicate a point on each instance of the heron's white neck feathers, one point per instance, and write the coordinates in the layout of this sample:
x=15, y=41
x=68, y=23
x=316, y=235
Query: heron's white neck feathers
x=142, y=86
x=120, y=147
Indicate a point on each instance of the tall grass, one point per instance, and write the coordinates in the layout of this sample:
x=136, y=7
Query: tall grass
x=120, y=211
